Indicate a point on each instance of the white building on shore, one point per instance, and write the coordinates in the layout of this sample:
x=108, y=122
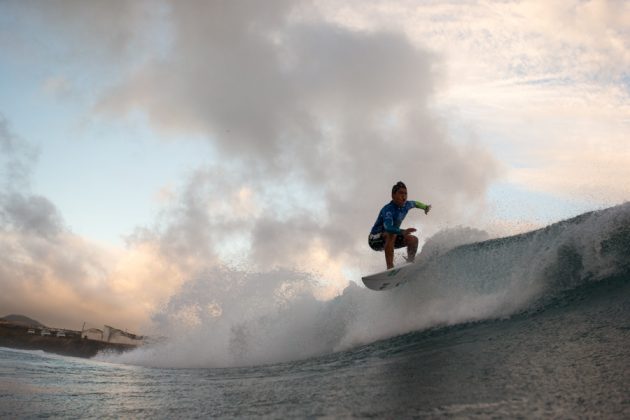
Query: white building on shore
x=112, y=335
x=115, y=335
x=92, y=334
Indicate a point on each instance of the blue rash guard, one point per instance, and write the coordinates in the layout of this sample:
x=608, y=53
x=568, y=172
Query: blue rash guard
x=391, y=216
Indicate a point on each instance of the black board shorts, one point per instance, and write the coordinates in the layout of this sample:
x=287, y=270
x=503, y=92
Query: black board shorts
x=377, y=241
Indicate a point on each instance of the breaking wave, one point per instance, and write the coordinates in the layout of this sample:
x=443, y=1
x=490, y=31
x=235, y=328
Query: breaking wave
x=231, y=318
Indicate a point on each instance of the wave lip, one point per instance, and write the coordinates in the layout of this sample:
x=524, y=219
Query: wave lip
x=501, y=277
x=561, y=256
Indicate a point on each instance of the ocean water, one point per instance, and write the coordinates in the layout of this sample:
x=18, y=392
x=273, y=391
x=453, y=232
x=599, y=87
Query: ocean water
x=534, y=325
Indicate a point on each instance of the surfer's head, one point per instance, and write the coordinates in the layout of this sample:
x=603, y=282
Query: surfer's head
x=398, y=186
x=399, y=193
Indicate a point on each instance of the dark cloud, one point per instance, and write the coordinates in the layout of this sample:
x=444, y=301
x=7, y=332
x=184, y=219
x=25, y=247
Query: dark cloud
x=30, y=214
x=20, y=210
x=16, y=159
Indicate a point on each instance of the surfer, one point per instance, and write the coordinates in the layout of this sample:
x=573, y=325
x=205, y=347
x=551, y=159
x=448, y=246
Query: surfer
x=386, y=233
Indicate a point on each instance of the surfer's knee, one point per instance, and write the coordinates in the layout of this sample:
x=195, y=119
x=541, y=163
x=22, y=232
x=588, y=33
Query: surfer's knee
x=411, y=240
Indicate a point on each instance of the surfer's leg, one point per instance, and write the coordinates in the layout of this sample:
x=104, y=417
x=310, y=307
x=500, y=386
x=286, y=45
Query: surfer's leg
x=412, y=247
x=390, y=240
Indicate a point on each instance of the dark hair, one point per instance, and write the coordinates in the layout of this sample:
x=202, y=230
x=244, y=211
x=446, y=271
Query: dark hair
x=398, y=186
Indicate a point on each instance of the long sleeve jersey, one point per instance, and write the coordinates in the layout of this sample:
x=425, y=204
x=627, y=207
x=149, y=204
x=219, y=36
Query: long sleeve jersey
x=391, y=216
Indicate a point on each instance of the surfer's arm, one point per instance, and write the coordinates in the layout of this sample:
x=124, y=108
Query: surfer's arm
x=425, y=207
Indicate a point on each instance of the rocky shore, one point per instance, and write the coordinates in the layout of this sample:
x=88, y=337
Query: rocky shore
x=17, y=336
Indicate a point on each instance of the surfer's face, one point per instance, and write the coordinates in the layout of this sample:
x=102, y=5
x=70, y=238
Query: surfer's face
x=400, y=196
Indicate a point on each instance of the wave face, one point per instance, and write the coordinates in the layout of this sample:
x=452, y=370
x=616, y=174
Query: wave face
x=232, y=318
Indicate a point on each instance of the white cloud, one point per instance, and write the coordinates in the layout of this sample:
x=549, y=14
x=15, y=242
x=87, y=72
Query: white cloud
x=542, y=83
x=315, y=109
x=338, y=113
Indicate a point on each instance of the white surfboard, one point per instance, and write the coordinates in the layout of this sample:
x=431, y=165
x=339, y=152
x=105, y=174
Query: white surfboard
x=389, y=279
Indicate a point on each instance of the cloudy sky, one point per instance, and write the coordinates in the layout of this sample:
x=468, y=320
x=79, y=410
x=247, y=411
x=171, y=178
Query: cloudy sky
x=145, y=143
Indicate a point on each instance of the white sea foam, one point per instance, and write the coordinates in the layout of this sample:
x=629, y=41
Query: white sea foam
x=228, y=318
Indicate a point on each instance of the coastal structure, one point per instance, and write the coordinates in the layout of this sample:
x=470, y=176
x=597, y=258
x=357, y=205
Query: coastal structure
x=17, y=331
x=115, y=335
x=92, y=334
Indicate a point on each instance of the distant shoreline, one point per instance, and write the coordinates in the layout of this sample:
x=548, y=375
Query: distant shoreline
x=16, y=336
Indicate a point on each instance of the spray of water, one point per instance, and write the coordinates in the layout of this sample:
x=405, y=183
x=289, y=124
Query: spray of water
x=229, y=318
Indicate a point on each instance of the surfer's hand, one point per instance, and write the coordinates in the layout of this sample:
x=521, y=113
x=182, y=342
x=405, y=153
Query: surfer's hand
x=427, y=208
x=409, y=231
